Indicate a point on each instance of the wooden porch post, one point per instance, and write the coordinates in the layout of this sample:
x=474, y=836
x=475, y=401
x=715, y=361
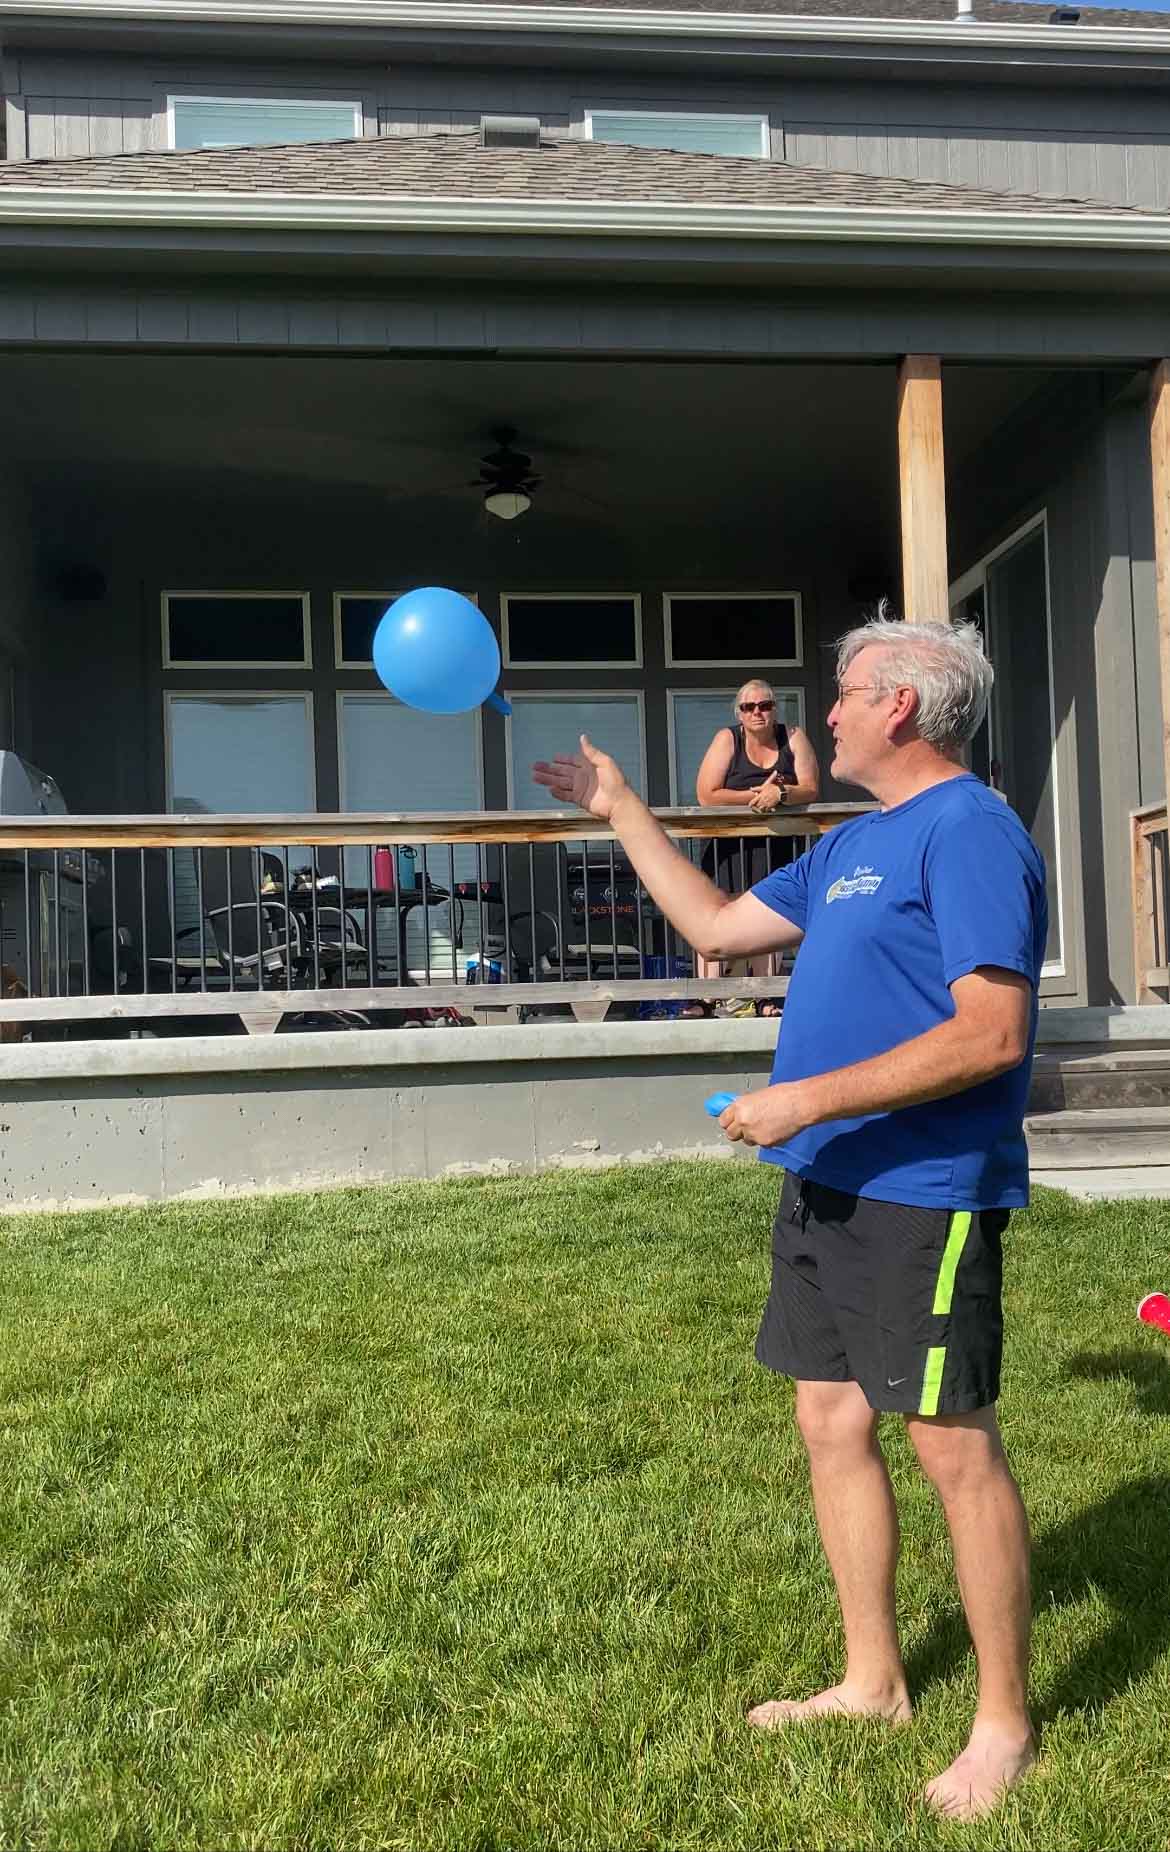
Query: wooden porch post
x=1160, y=467
x=923, y=490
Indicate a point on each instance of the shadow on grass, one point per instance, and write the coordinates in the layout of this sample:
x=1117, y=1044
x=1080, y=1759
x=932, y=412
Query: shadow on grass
x=1117, y=1549
x=1146, y=1373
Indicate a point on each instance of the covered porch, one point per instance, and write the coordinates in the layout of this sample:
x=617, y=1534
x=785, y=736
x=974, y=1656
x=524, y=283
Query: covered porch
x=728, y=481
x=209, y=538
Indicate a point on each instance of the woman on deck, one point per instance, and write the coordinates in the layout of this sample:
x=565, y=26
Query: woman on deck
x=760, y=762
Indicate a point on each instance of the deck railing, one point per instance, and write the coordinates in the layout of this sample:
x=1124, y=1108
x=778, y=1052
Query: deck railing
x=1150, y=868
x=145, y=920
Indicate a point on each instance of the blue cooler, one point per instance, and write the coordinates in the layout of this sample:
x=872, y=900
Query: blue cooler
x=658, y=1009
x=481, y=970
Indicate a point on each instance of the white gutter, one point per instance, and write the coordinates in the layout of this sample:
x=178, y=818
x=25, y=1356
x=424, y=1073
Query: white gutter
x=457, y=15
x=109, y=206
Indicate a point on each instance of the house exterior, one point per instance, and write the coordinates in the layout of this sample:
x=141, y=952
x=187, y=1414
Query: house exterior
x=748, y=286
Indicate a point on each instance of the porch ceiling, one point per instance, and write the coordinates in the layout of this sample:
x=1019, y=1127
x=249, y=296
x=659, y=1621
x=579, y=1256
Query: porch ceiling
x=784, y=447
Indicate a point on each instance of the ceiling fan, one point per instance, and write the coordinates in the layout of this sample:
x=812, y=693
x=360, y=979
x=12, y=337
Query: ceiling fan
x=506, y=478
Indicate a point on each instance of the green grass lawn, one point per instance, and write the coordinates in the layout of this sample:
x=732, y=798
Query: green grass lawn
x=459, y=1516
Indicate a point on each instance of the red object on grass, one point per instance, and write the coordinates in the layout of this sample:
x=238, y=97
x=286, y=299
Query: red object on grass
x=1155, y=1310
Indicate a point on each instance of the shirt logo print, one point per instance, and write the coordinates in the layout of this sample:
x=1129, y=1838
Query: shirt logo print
x=862, y=881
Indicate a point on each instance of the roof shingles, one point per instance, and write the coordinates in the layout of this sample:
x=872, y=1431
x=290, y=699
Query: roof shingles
x=456, y=166
x=987, y=12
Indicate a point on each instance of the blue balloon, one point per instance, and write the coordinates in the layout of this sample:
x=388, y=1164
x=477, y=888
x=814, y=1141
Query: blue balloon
x=435, y=650
x=718, y=1103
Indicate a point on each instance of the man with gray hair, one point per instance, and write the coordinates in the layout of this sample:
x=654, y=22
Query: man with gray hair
x=896, y=1112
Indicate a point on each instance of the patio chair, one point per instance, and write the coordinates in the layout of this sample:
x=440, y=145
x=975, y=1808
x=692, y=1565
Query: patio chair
x=332, y=946
x=222, y=931
x=535, y=955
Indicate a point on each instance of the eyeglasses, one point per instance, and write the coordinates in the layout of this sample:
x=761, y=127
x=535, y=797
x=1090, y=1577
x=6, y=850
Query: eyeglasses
x=756, y=707
x=844, y=689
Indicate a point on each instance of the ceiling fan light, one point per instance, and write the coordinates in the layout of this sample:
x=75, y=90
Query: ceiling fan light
x=507, y=504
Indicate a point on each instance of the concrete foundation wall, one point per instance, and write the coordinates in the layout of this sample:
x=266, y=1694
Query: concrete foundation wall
x=100, y=1123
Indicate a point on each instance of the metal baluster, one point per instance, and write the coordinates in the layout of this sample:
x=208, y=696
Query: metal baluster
x=114, y=915
x=85, y=977
x=426, y=907
x=231, y=928
x=451, y=907
x=315, y=925
x=59, y=988
x=508, y=916
x=261, y=919
x=142, y=886
x=532, y=905
x=562, y=882
x=667, y=944
x=170, y=866
x=288, y=960
x=400, y=959
x=482, y=973
x=371, y=912
x=613, y=907
x=202, y=915
x=343, y=917
x=33, y=981
x=585, y=895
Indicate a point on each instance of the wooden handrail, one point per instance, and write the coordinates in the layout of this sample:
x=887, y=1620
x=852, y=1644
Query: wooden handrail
x=336, y=829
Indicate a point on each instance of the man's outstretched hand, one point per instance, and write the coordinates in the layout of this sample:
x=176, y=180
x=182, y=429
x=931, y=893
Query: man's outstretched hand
x=590, y=779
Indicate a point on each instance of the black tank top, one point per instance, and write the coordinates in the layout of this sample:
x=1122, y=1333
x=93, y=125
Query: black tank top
x=742, y=775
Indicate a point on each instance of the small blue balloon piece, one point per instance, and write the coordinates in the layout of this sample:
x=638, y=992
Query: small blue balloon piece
x=718, y=1103
x=435, y=650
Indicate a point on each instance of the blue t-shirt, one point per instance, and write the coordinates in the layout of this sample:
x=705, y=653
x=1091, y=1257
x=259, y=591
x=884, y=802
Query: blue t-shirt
x=895, y=905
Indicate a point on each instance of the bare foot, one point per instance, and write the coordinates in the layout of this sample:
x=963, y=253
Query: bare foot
x=975, y=1783
x=838, y=1701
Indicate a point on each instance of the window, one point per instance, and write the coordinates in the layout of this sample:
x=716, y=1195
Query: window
x=1015, y=750
x=236, y=630
x=547, y=723
x=240, y=752
x=748, y=630
x=578, y=630
x=228, y=121
x=356, y=616
x=695, y=715
x=690, y=133
x=394, y=758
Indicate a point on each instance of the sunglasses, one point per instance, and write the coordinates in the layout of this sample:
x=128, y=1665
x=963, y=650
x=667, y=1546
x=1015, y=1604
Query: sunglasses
x=756, y=707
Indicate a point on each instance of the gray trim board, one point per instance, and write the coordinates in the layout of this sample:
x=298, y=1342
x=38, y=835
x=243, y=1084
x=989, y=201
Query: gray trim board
x=861, y=325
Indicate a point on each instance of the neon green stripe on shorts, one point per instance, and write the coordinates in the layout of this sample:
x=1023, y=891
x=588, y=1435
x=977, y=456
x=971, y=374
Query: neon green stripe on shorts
x=944, y=1292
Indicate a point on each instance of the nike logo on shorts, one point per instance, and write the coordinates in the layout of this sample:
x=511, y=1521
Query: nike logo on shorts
x=893, y=1381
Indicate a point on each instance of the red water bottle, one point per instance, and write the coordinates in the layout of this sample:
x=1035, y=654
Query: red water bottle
x=383, y=871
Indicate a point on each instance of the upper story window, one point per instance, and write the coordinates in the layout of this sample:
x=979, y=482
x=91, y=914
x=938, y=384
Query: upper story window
x=229, y=121
x=691, y=134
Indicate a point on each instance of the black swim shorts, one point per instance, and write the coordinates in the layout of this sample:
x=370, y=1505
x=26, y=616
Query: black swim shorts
x=904, y=1301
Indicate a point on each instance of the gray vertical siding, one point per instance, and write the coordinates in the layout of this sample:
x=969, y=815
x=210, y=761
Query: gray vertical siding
x=1106, y=144
x=1129, y=170
x=1089, y=469
x=61, y=126
x=19, y=612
